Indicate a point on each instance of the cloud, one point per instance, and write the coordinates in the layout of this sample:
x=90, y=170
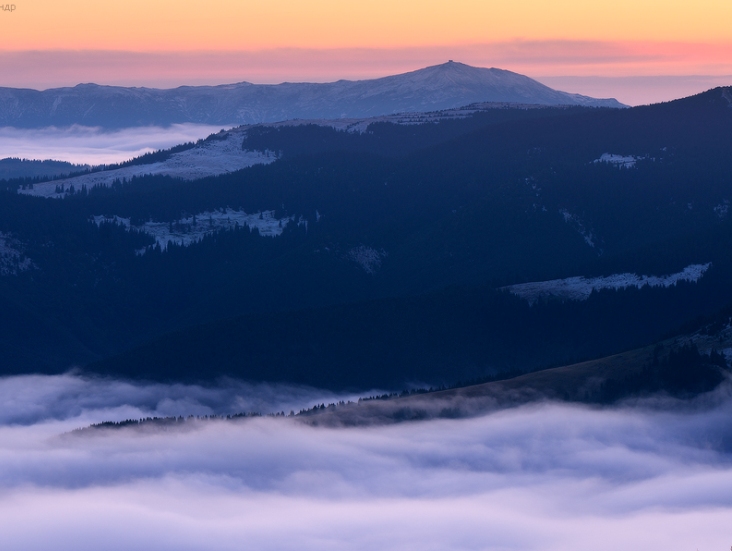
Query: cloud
x=88, y=145
x=547, y=476
x=75, y=401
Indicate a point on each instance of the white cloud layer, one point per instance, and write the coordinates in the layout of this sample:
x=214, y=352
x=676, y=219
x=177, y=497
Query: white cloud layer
x=76, y=401
x=544, y=477
x=93, y=146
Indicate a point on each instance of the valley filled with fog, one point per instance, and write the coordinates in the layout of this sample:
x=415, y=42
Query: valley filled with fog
x=88, y=145
x=653, y=473
x=502, y=325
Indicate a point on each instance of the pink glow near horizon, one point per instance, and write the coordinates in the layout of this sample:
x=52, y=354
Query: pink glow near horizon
x=613, y=61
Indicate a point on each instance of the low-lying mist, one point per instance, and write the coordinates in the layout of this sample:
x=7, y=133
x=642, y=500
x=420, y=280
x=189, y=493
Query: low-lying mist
x=549, y=476
x=74, y=401
x=94, y=146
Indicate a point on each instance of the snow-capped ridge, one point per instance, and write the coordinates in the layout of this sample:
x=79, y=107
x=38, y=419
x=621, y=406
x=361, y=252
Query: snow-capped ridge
x=222, y=153
x=580, y=288
x=445, y=86
x=211, y=157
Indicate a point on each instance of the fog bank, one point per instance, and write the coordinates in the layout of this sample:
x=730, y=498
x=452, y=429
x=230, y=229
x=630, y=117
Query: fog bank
x=655, y=475
x=93, y=146
x=72, y=401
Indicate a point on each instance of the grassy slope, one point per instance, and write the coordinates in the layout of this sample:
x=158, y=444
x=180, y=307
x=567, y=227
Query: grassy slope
x=584, y=382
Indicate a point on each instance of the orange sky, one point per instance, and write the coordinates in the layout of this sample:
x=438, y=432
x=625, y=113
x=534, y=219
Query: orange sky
x=46, y=43
x=154, y=25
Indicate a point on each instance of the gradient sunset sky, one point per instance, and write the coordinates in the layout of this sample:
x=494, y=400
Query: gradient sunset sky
x=660, y=47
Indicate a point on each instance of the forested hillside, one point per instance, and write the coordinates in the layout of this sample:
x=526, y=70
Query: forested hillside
x=336, y=263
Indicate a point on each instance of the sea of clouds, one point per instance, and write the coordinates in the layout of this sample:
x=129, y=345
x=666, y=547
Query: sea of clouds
x=95, y=146
x=548, y=476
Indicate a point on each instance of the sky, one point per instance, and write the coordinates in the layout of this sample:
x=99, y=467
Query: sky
x=165, y=43
x=651, y=475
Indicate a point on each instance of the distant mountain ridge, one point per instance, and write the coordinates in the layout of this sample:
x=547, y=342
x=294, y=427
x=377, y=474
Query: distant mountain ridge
x=444, y=86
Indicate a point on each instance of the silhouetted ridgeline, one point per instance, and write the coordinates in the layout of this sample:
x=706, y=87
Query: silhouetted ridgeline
x=439, y=87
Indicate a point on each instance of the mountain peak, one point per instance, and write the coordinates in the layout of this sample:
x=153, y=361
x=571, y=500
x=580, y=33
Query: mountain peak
x=446, y=86
x=460, y=81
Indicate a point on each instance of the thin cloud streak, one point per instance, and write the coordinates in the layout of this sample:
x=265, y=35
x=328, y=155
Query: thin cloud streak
x=656, y=475
x=54, y=68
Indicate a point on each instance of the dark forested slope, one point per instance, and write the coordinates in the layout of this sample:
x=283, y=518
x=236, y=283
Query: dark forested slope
x=375, y=226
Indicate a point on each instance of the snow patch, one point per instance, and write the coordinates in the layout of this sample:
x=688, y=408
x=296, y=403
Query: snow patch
x=367, y=257
x=621, y=161
x=570, y=218
x=118, y=220
x=722, y=209
x=580, y=288
x=12, y=259
x=193, y=229
x=209, y=158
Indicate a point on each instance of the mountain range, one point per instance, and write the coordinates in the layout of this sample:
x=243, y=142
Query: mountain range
x=376, y=252
x=439, y=87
